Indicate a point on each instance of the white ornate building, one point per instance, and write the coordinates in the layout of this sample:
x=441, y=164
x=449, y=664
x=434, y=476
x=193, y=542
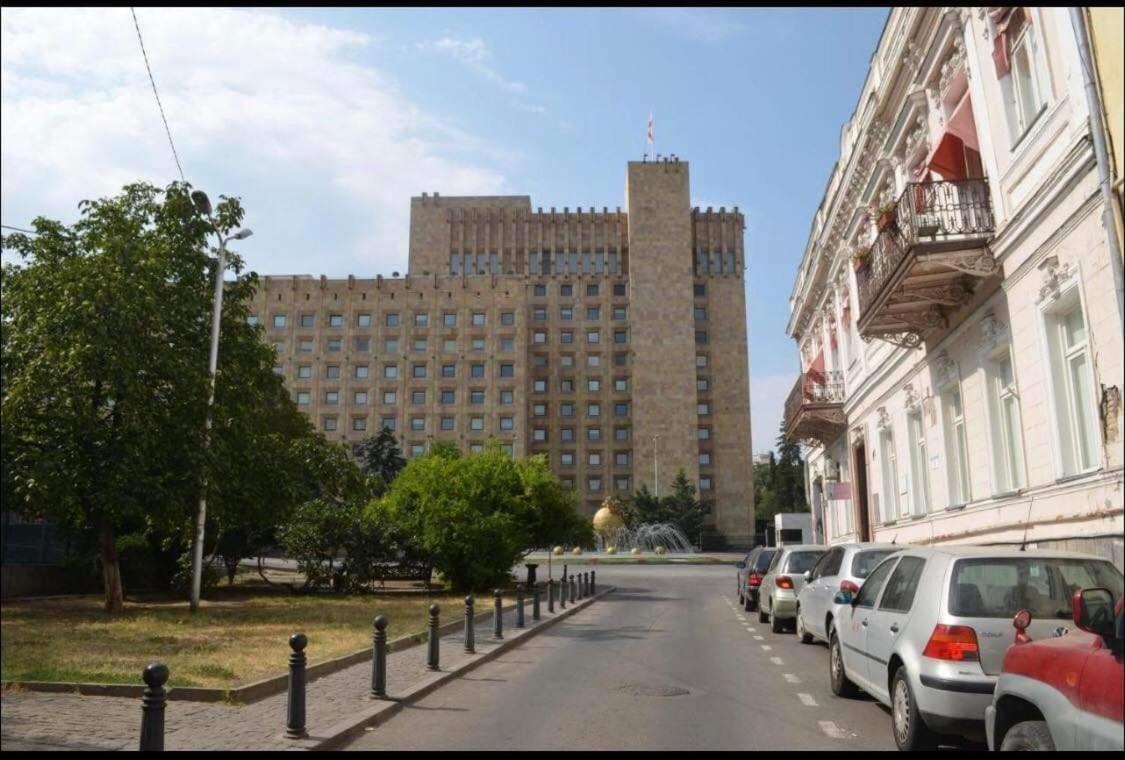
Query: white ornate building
x=958, y=308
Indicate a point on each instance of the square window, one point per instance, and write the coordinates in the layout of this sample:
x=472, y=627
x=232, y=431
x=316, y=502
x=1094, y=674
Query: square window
x=507, y=369
x=540, y=386
x=566, y=313
x=566, y=336
x=701, y=337
x=595, y=484
x=591, y=290
x=335, y=320
x=594, y=459
x=539, y=313
x=389, y=423
x=362, y=345
x=705, y=484
x=476, y=370
x=279, y=320
x=446, y=423
x=329, y=423
x=700, y=314
x=506, y=398
x=593, y=410
x=390, y=346
x=417, y=423
x=618, y=288
x=620, y=359
x=478, y=319
x=700, y=290
x=540, y=290
x=449, y=346
x=619, y=313
x=306, y=346
x=507, y=318
x=705, y=458
x=539, y=434
x=621, y=434
x=567, y=360
x=566, y=290
x=700, y=360
x=253, y=320
x=448, y=396
x=622, y=484
x=449, y=370
x=566, y=410
x=621, y=459
x=567, y=434
x=702, y=384
x=331, y=397
x=567, y=459
x=308, y=320
x=593, y=360
x=418, y=398
x=359, y=423
x=390, y=398
x=478, y=344
x=304, y=371
x=507, y=344
x=361, y=372
x=279, y=371
x=704, y=433
x=593, y=336
x=417, y=449
x=390, y=371
x=593, y=384
x=507, y=423
x=332, y=371
x=566, y=385
x=538, y=410
x=703, y=408
x=420, y=345
x=539, y=360
x=620, y=336
x=621, y=410
x=422, y=320
x=303, y=398
x=476, y=397
x=476, y=423
x=360, y=398
x=449, y=319
x=539, y=336
x=476, y=448
x=621, y=384
x=363, y=320
x=391, y=319
x=593, y=312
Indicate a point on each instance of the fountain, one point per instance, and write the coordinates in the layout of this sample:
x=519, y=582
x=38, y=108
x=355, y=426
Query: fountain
x=613, y=536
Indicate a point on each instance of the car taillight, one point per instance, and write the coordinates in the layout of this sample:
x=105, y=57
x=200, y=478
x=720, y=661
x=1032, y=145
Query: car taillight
x=953, y=642
x=755, y=579
x=784, y=581
x=850, y=587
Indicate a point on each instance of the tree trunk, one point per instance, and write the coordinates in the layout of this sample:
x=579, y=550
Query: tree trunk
x=111, y=571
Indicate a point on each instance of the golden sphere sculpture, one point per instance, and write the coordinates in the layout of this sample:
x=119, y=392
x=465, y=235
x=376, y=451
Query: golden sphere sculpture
x=661, y=550
x=635, y=550
x=607, y=522
x=577, y=550
x=558, y=551
x=611, y=550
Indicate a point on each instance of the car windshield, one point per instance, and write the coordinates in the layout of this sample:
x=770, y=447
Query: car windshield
x=864, y=562
x=799, y=562
x=763, y=561
x=998, y=587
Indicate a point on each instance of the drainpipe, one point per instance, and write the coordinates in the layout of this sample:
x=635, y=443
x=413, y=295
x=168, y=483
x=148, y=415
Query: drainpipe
x=1097, y=130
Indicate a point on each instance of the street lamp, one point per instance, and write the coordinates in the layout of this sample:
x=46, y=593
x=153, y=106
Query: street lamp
x=203, y=205
x=656, y=465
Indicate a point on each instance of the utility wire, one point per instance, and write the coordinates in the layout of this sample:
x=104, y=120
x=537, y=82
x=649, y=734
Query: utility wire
x=157, y=95
x=18, y=229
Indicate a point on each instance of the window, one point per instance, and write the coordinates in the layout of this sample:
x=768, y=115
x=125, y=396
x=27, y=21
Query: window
x=279, y=371
x=919, y=463
x=591, y=290
x=359, y=423
x=566, y=336
x=593, y=384
x=308, y=320
x=507, y=423
x=540, y=386
x=417, y=423
x=704, y=434
x=390, y=346
x=449, y=346
x=620, y=359
x=566, y=313
x=566, y=360
x=417, y=398
x=595, y=484
x=618, y=287
x=621, y=384
x=593, y=434
x=476, y=397
x=478, y=319
x=705, y=484
x=593, y=312
x=539, y=314
x=996, y=587
x=507, y=369
x=539, y=434
x=622, y=484
x=389, y=423
x=1023, y=85
x=361, y=371
x=447, y=423
x=566, y=410
x=593, y=336
x=391, y=319
x=279, y=320
x=703, y=408
x=700, y=289
x=476, y=370
x=702, y=384
x=593, y=410
x=566, y=434
x=539, y=336
x=359, y=398
x=507, y=345
x=705, y=458
x=417, y=449
x=593, y=360
x=956, y=446
x=701, y=337
x=621, y=409
x=620, y=336
x=700, y=360
x=619, y=313
x=420, y=345
x=870, y=589
x=507, y=318
x=448, y=396
x=700, y=314
x=899, y=596
x=539, y=360
x=476, y=423
x=390, y=398
x=621, y=434
x=422, y=320
x=329, y=423
x=362, y=345
x=567, y=459
x=390, y=371
x=478, y=344
x=363, y=320
x=303, y=398
x=306, y=346
x=253, y=320
x=538, y=410
x=335, y=320
x=506, y=398
x=1004, y=416
x=621, y=459
x=889, y=495
x=331, y=397
x=449, y=319
x=1072, y=385
x=332, y=371
x=304, y=371
x=540, y=291
x=594, y=459
x=476, y=448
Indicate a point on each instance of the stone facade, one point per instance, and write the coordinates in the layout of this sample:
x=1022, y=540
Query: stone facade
x=612, y=342
x=1004, y=425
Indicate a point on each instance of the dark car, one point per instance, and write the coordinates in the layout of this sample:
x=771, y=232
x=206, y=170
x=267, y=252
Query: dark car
x=750, y=573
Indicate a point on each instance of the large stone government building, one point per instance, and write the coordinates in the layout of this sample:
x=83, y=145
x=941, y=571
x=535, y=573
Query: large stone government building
x=612, y=342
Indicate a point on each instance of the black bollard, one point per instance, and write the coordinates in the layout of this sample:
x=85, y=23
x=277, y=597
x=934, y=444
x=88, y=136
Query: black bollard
x=519, y=605
x=550, y=596
x=379, y=658
x=295, y=724
x=593, y=581
x=470, y=626
x=582, y=585
x=152, y=707
x=497, y=616
x=435, y=638
x=562, y=593
x=535, y=602
x=586, y=584
x=573, y=588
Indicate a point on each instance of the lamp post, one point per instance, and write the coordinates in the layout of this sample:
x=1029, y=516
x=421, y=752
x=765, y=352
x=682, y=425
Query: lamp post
x=203, y=205
x=656, y=465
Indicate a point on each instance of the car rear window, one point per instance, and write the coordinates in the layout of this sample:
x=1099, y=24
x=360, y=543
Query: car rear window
x=763, y=561
x=864, y=562
x=998, y=587
x=799, y=562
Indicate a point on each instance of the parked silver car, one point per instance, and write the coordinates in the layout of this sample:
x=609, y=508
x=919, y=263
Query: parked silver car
x=927, y=633
x=841, y=568
x=777, y=596
x=750, y=573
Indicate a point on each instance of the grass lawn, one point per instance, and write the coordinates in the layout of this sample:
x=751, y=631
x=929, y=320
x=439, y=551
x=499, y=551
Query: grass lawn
x=239, y=635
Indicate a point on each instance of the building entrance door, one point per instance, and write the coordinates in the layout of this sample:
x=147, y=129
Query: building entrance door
x=859, y=467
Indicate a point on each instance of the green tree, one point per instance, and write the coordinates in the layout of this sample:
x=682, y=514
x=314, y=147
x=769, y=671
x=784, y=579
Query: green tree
x=789, y=476
x=681, y=508
x=105, y=336
x=381, y=460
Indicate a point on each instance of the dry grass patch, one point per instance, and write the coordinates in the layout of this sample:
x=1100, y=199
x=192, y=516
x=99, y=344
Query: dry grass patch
x=238, y=636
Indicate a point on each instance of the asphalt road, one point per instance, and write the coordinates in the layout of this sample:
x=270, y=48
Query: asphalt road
x=668, y=661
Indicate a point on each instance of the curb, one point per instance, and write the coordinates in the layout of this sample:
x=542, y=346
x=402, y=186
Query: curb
x=384, y=710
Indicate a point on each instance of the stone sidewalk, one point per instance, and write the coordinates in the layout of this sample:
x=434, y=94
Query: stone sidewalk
x=42, y=721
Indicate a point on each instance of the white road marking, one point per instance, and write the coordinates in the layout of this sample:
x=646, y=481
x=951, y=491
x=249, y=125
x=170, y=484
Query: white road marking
x=831, y=730
x=743, y=619
x=776, y=661
x=807, y=700
x=751, y=628
x=791, y=678
x=759, y=638
x=766, y=648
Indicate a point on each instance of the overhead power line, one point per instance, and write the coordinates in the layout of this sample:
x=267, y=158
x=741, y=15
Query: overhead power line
x=19, y=229
x=160, y=106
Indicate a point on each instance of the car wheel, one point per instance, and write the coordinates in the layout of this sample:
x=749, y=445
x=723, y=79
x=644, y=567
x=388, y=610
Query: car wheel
x=1030, y=735
x=799, y=626
x=748, y=605
x=741, y=599
x=837, y=676
x=777, y=625
x=911, y=732
x=763, y=616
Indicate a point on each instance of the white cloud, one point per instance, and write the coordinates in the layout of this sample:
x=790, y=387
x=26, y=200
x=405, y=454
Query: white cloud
x=476, y=54
x=767, y=405
x=324, y=151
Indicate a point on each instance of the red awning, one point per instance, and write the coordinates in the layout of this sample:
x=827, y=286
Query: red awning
x=948, y=155
x=962, y=123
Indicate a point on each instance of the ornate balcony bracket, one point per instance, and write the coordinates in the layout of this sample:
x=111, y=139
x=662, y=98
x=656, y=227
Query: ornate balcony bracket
x=978, y=263
x=953, y=294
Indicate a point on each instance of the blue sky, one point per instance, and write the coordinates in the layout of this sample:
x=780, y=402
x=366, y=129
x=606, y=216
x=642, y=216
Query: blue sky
x=326, y=121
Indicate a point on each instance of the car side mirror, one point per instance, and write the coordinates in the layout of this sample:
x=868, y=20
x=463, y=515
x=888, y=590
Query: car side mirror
x=843, y=597
x=740, y=565
x=808, y=576
x=1092, y=609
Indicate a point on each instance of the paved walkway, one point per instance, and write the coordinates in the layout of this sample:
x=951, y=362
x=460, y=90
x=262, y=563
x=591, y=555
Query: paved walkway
x=41, y=721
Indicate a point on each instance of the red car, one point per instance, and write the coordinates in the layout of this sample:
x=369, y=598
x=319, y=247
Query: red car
x=1064, y=692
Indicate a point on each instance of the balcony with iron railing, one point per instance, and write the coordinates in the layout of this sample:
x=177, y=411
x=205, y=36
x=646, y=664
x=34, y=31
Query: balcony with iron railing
x=929, y=254
x=814, y=411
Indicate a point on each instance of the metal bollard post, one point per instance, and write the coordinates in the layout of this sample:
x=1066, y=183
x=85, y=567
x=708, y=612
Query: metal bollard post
x=593, y=581
x=295, y=724
x=435, y=638
x=586, y=577
x=582, y=585
x=551, y=596
x=497, y=616
x=519, y=605
x=470, y=626
x=535, y=602
x=152, y=707
x=562, y=592
x=379, y=658
x=573, y=588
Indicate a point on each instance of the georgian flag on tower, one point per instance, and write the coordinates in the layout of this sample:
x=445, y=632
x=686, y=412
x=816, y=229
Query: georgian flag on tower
x=651, y=130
